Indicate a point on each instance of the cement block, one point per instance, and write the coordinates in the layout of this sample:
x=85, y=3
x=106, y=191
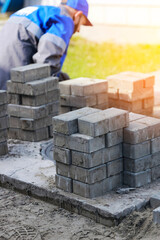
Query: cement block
x=88, y=176
x=3, y=110
x=112, y=183
x=115, y=152
x=62, y=155
x=65, y=87
x=31, y=124
x=50, y=130
x=90, y=160
x=64, y=110
x=114, y=167
x=64, y=183
x=94, y=125
x=114, y=138
x=118, y=118
x=3, y=135
x=34, y=101
x=4, y=122
x=87, y=144
x=52, y=108
x=35, y=136
x=102, y=98
x=155, y=172
x=3, y=97
x=68, y=123
x=137, y=179
x=102, y=106
x=113, y=93
x=14, y=133
x=137, y=165
x=63, y=169
x=133, y=106
x=153, y=126
x=135, y=116
x=30, y=72
x=3, y=148
x=155, y=145
x=155, y=201
x=60, y=140
x=156, y=216
x=14, y=98
x=149, y=81
x=155, y=161
x=77, y=101
x=135, y=151
x=148, y=102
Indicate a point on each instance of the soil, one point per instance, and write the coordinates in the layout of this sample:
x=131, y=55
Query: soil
x=25, y=218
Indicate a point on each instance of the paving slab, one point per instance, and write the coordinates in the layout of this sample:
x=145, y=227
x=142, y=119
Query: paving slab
x=24, y=169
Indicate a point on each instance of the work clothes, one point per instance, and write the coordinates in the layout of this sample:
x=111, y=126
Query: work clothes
x=36, y=34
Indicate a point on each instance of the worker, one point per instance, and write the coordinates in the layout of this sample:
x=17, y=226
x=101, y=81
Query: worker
x=40, y=34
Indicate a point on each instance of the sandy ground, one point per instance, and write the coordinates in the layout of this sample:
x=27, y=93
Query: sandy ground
x=26, y=218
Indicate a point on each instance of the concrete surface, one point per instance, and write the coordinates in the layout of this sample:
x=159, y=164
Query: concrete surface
x=24, y=169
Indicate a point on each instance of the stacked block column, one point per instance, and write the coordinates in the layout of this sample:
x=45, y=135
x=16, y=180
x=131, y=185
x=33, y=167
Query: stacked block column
x=83, y=92
x=88, y=150
x=132, y=91
x=3, y=123
x=33, y=98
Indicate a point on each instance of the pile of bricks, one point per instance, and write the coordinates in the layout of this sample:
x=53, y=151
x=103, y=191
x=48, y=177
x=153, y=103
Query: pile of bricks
x=83, y=92
x=3, y=123
x=88, y=150
x=141, y=150
x=33, y=97
x=132, y=91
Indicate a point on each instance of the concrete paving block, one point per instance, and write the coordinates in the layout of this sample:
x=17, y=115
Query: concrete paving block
x=137, y=179
x=135, y=116
x=155, y=172
x=112, y=183
x=137, y=165
x=136, y=132
x=35, y=136
x=114, y=103
x=118, y=118
x=14, y=98
x=84, y=143
x=14, y=133
x=65, y=87
x=64, y=183
x=90, y=160
x=135, y=151
x=60, y=140
x=102, y=98
x=147, y=111
x=88, y=176
x=4, y=122
x=63, y=110
x=65, y=100
x=133, y=106
x=88, y=86
x=148, y=102
x=115, y=152
x=34, y=101
x=114, y=167
x=30, y=72
x=113, y=93
x=3, y=110
x=156, y=215
x=3, y=135
x=155, y=145
x=114, y=138
x=155, y=161
x=32, y=124
x=62, y=155
x=155, y=201
x=3, y=148
x=53, y=96
x=94, y=125
x=81, y=102
x=149, y=81
x=63, y=169
x=102, y=106
x=52, y=108
x=14, y=122
x=3, y=97
x=68, y=123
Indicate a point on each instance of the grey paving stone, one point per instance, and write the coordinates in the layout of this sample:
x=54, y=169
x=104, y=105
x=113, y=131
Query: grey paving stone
x=114, y=167
x=153, y=126
x=135, y=151
x=112, y=183
x=102, y=98
x=115, y=152
x=14, y=133
x=62, y=155
x=77, y=101
x=135, y=116
x=155, y=172
x=3, y=135
x=60, y=140
x=114, y=138
x=156, y=216
x=68, y=123
x=63, y=169
x=4, y=123
x=34, y=100
x=3, y=97
x=155, y=201
x=35, y=136
x=89, y=160
x=155, y=161
x=14, y=98
x=64, y=183
x=102, y=106
x=3, y=110
x=87, y=144
x=137, y=165
x=30, y=72
x=52, y=108
x=155, y=145
x=137, y=179
x=32, y=124
x=3, y=148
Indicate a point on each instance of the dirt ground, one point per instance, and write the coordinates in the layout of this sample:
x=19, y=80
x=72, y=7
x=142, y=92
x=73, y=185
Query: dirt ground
x=26, y=218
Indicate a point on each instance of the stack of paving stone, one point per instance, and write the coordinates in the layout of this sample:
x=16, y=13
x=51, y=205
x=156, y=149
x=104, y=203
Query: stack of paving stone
x=33, y=97
x=83, y=92
x=141, y=150
x=3, y=123
x=132, y=91
x=88, y=150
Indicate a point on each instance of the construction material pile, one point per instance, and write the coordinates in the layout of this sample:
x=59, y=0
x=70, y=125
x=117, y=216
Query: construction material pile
x=3, y=123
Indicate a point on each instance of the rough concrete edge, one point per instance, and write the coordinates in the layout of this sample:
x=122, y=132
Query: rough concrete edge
x=78, y=206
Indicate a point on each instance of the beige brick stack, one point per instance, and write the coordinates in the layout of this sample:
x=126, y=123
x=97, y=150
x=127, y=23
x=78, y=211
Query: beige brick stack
x=88, y=150
x=33, y=97
x=3, y=123
x=132, y=91
x=83, y=92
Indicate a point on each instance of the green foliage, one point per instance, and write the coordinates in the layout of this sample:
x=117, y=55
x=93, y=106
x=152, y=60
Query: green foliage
x=89, y=59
